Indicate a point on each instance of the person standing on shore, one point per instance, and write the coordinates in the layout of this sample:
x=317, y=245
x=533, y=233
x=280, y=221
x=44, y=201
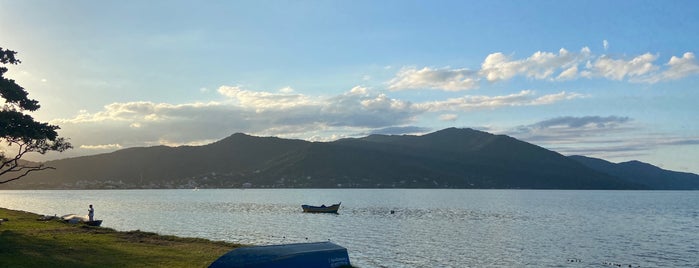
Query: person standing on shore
x=91, y=213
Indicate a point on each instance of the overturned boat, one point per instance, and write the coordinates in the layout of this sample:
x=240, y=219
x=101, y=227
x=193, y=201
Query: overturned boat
x=318, y=255
x=321, y=209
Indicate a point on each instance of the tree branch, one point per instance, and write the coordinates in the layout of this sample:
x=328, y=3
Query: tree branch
x=26, y=172
x=13, y=166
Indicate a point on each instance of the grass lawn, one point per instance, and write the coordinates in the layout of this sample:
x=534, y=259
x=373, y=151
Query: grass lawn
x=26, y=242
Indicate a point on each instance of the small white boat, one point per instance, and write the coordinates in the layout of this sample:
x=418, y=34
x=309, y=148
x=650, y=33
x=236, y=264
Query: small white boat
x=75, y=219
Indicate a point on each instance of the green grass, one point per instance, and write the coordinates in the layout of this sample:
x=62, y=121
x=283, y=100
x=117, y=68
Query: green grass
x=26, y=242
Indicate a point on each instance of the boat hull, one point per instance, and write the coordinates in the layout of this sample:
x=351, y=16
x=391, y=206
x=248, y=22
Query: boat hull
x=94, y=223
x=74, y=219
x=322, y=209
x=321, y=255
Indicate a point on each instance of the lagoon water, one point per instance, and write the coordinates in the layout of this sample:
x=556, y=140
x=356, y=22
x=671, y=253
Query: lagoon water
x=430, y=228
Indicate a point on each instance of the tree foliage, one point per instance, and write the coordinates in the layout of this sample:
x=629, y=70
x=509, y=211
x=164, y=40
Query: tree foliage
x=19, y=130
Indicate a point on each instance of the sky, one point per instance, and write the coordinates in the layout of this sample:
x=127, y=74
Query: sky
x=615, y=80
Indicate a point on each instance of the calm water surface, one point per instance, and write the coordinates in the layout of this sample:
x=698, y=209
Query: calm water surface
x=430, y=228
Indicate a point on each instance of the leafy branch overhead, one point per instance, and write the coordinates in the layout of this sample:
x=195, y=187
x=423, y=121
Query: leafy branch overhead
x=21, y=133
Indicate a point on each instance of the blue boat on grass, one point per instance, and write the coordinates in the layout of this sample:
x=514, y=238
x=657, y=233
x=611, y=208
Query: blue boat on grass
x=301, y=255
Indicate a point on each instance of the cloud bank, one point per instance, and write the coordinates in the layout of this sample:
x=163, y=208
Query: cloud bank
x=599, y=136
x=427, y=78
x=561, y=66
x=523, y=98
x=284, y=113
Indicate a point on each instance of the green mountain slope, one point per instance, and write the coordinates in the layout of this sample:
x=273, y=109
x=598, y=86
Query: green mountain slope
x=449, y=158
x=643, y=173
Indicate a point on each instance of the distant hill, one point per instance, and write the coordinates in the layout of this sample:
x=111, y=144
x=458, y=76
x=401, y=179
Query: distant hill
x=449, y=158
x=643, y=173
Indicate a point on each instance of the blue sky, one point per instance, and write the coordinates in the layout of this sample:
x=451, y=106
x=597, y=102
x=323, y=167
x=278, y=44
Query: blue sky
x=609, y=79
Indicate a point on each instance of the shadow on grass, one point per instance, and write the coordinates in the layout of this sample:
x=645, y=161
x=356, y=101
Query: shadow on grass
x=20, y=250
x=103, y=247
x=26, y=242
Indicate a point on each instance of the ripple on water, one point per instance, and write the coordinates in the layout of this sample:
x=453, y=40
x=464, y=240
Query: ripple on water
x=441, y=228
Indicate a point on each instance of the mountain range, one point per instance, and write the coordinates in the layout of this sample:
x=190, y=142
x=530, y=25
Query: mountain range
x=449, y=158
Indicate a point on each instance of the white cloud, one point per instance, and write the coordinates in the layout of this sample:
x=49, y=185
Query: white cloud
x=569, y=74
x=131, y=112
x=286, y=90
x=358, y=90
x=605, y=44
x=101, y=147
x=553, y=98
x=619, y=69
x=561, y=66
x=677, y=68
x=401, y=130
x=448, y=117
x=360, y=107
x=523, y=98
x=585, y=52
x=428, y=78
x=594, y=122
x=540, y=65
x=188, y=143
x=266, y=100
x=497, y=66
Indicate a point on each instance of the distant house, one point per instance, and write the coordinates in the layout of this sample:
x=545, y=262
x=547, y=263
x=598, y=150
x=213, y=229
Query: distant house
x=247, y=185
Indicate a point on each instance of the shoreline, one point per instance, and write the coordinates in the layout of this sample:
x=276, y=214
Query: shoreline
x=27, y=242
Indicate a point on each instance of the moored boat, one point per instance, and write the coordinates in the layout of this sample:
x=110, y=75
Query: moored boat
x=93, y=223
x=74, y=219
x=321, y=209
